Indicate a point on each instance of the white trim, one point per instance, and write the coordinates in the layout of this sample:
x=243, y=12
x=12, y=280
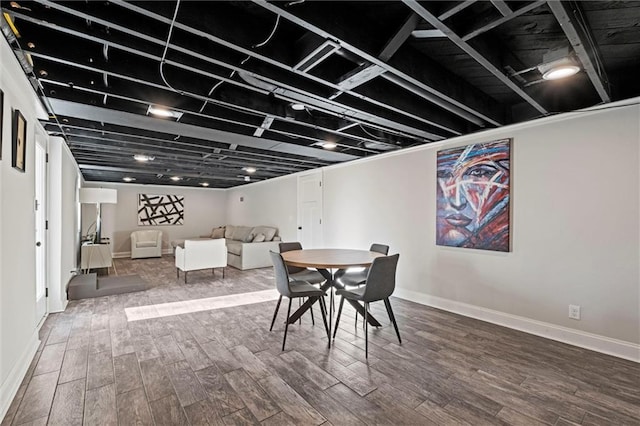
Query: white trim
x=11, y=385
x=126, y=254
x=594, y=342
x=62, y=305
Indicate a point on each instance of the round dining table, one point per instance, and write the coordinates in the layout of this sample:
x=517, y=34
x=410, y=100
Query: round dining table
x=325, y=260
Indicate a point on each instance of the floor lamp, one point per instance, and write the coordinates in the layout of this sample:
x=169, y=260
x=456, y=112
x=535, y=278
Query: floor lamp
x=98, y=196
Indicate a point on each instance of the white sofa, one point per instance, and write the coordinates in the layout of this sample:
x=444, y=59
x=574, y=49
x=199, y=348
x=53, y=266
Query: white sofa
x=146, y=244
x=201, y=254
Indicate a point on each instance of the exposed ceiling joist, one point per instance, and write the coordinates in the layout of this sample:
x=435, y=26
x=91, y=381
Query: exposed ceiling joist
x=470, y=104
x=493, y=24
x=471, y=51
x=502, y=7
x=88, y=112
x=457, y=8
x=399, y=37
x=156, y=171
x=570, y=18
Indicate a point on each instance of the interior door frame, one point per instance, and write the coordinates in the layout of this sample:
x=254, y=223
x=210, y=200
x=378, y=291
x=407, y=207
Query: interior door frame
x=41, y=203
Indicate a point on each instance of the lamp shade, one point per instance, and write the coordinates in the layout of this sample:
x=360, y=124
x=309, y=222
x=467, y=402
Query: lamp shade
x=98, y=195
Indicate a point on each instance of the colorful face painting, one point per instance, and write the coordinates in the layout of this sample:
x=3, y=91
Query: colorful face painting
x=473, y=196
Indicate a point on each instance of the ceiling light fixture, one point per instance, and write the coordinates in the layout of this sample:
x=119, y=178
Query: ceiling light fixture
x=249, y=169
x=204, y=184
x=128, y=179
x=247, y=178
x=143, y=158
x=175, y=178
x=558, y=64
x=329, y=145
x=163, y=112
x=558, y=69
x=297, y=107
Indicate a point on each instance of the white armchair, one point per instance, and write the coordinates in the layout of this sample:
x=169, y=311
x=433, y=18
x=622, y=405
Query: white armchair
x=146, y=244
x=201, y=254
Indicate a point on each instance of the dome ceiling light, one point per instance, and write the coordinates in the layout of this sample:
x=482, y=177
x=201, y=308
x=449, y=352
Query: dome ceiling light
x=558, y=64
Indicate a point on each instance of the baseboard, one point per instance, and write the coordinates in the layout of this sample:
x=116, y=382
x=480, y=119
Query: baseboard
x=125, y=254
x=618, y=348
x=10, y=386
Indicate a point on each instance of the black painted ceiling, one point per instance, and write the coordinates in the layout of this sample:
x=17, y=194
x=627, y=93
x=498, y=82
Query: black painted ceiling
x=374, y=76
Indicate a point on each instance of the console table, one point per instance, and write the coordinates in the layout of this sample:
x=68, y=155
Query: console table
x=93, y=256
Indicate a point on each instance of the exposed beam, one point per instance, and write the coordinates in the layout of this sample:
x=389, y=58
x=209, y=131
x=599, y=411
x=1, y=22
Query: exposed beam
x=99, y=114
x=102, y=139
x=569, y=15
x=156, y=171
x=455, y=9
x=399, y=37
x=471, y=51
x=471, y=104
x=491, y=25
x=301, y=95
x=253, y=109
x=502, y=7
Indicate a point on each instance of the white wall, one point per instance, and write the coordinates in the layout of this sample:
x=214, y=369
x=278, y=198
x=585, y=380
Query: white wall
x=265, y=203
x=18, y=322
x=575, y=227
x=204, y=209
x=64, y=218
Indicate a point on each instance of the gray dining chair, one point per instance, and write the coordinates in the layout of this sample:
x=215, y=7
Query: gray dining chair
x=379, y=285
x=299, y=273
x=293, y=290
x=349, y=278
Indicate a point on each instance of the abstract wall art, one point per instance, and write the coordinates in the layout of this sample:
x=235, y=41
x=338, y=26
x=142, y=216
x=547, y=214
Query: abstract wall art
x=473, y=196
x=160, y=209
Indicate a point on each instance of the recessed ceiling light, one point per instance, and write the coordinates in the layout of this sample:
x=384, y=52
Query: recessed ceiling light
x=204, y=183
x=297, y=106
x=143, y=158
x=249, y=169
x=163, y=112
x=247, y=178
x=128, y=179
x=329, y=145
x=175, y=178
x=31, y=45
x=43, y=73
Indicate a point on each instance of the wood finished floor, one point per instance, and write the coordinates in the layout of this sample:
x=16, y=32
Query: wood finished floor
x=223, y=367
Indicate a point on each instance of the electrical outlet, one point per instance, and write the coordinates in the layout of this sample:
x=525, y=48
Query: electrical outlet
x=574, y=312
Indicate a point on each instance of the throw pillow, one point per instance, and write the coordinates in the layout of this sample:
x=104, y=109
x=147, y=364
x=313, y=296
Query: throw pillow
x=268, y=232
x=218, y=233
x=228, y=231
x=241, y=233
x=258, y=238
x=248, y=238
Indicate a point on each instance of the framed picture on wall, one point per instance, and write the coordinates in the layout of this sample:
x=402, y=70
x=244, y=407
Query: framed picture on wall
x=473, y=196
x=160, y=209
x=19, y=141
x=1, y=119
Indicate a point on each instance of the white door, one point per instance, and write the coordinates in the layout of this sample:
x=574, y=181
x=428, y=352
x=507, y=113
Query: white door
x=41, y=226
x=310, y=210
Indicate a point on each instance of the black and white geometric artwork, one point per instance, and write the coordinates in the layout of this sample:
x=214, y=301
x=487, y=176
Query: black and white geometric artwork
x=160, y=209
